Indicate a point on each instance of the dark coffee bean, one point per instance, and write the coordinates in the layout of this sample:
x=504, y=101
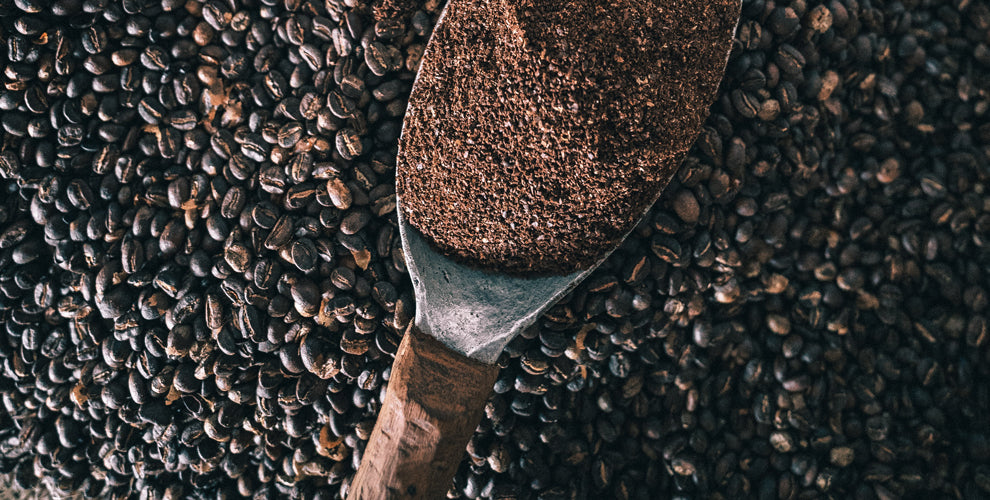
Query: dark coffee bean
x=351, y=86
x=280, y=233
x=276, y=85
x=254, y=147
x=388, y=90
x=304, y=255
x=789, y=60
x=306, y=297
x=265, y=215
x=349, y=144
x=339, y=193
x=217, y=14
x=15, y=124
x=340, y=106
x=233, y=203
x=745, y=104
x=666, y=248
x=184, y=120
x=382, y=58
x=289, y=134
x=172, y=237
x=389, y=29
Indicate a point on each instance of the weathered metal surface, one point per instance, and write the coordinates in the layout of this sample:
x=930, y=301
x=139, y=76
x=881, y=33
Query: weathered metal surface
x=474, y=312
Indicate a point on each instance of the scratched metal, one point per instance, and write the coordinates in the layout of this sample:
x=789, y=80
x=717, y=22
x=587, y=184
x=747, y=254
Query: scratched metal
x=475, y=313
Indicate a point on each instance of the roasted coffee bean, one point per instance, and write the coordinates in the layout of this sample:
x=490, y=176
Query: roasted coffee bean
x=304, y=255
x=238, y=257
x=382, y=58
x=280, y=233
x=340, y=106
x=352, y=86
x=339, y=193
x=349, y=144
x=172, y=237
x=254, y=147
x=184, y=120
x=290, y=134
x=233, y=203
x=306, y=297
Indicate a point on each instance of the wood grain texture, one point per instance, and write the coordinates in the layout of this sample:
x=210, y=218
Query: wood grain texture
x=433, y=404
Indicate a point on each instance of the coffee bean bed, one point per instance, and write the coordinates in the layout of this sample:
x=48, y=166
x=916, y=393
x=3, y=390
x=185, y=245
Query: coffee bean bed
x=202, y=284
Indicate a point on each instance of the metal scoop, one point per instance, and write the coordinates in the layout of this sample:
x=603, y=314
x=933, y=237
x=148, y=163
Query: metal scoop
x=444, y=368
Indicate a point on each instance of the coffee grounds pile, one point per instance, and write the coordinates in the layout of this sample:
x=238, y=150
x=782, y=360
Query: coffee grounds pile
x=540, y=131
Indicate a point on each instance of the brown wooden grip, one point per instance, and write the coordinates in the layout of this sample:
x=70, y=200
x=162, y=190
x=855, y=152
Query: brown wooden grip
x=433, y=404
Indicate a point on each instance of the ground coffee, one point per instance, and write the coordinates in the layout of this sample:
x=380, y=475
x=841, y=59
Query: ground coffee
x=540, y=130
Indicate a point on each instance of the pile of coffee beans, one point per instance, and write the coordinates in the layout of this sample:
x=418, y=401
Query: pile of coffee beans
x=201, y=283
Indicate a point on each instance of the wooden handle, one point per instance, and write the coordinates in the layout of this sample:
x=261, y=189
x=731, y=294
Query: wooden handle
x=433, y=404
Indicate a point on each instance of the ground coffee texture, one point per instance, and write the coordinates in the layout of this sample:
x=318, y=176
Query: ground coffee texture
x=540, y=131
